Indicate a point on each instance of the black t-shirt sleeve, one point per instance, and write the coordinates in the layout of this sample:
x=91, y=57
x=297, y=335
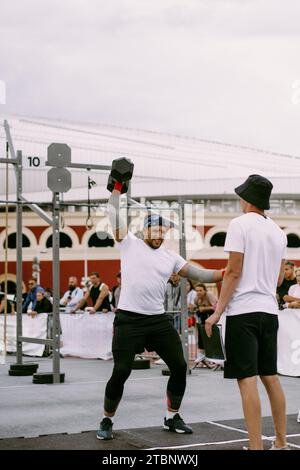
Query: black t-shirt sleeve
x=285, y=287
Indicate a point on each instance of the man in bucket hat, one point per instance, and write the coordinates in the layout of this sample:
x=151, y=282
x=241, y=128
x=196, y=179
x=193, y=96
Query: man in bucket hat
x=257, y=252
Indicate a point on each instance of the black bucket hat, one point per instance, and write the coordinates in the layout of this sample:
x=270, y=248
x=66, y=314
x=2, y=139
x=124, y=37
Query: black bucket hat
x=256, y=190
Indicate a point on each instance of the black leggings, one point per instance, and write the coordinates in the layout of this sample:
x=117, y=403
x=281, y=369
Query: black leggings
x=170, y=352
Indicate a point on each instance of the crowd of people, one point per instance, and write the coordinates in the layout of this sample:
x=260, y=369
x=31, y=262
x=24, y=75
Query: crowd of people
x=96, y=297
x=152, y=287
x=288, y=293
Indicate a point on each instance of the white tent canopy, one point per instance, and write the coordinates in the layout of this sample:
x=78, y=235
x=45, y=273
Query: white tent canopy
x=165, y=165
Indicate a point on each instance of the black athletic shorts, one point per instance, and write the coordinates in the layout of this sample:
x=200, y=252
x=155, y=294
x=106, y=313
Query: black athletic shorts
x=251, y=345
x=136, y=332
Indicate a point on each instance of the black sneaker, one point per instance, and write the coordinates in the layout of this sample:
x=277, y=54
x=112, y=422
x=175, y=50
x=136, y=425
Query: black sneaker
x=105, y=430
x=177, y=424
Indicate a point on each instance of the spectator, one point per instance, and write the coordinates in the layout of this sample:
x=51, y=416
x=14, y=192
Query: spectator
x=204, y=307
x=191, y=296
x=116, y=291
x=99, y=295
x=292, y=300
x=73, y=295
x=30, y=300
x=288, y=281
x=10, y=308
x=48, y=294
x=43, y=304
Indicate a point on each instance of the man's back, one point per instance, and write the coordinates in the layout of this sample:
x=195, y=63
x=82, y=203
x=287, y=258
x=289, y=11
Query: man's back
x=263, y=244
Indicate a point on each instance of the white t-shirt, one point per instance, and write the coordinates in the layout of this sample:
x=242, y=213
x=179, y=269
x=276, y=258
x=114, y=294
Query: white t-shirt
x=264, y=246
x=294, y=291
x=145, y=273
x=76, y=295
x=191, y=297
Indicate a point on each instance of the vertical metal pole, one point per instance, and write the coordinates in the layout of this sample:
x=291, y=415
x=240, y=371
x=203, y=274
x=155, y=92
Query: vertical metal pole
x=56, y=289
x=128, y=204
x=3, y=360
x=19, y=216
x=183, y=293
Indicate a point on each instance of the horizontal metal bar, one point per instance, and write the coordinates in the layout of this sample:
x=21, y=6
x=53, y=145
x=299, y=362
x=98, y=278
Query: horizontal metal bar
x=25, y=339
x=134, y=204
x=79, y=204
x=86, y=166
x=12, y=161
x=90, y=166
x=35, y=208
x=24, y=203
x=64, y=204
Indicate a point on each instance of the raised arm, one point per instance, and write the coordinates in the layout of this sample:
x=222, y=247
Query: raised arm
x=195, y=273
x=118, y=224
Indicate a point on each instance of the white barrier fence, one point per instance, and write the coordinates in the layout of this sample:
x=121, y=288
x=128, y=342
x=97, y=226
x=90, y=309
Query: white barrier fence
x=289, y=342
x=89, y=336
x=32, y=327
x=83, y=335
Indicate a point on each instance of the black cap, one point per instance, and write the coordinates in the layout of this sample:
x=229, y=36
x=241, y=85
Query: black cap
x=256, y=190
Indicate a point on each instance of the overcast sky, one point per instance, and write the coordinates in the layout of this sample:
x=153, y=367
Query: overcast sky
x=226, y=70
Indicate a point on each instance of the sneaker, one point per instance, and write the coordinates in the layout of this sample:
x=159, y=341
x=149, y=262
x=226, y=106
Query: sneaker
x=105, y=430
x=298, y=417
x=286, y=447
x=199, y=358
x=177, y=424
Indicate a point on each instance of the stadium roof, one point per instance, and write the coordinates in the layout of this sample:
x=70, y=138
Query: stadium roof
x=166, y=165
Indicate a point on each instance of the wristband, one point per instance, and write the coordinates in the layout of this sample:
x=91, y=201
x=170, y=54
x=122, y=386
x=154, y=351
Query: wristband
x=118, y=186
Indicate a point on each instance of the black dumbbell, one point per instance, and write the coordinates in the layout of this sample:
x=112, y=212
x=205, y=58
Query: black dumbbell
x=121, y=171
x=111, y=185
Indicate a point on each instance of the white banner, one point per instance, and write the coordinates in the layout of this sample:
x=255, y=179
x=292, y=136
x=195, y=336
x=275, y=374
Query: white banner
x=288, y=356
x=32, y=327
x=87, y=335
x=90, y=336
x=289, y=342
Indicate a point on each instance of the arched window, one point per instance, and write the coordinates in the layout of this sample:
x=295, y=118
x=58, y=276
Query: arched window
x=100, y=240
x=293, y=240
x=11, y=287
x=64, y=241
x=218, y=239
x=12, y=241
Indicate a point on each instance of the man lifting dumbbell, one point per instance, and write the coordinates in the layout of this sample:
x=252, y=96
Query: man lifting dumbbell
x=141, y=321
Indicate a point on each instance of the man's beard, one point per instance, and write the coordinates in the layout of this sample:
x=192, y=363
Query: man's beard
x=71, y=288
x=153, y=244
